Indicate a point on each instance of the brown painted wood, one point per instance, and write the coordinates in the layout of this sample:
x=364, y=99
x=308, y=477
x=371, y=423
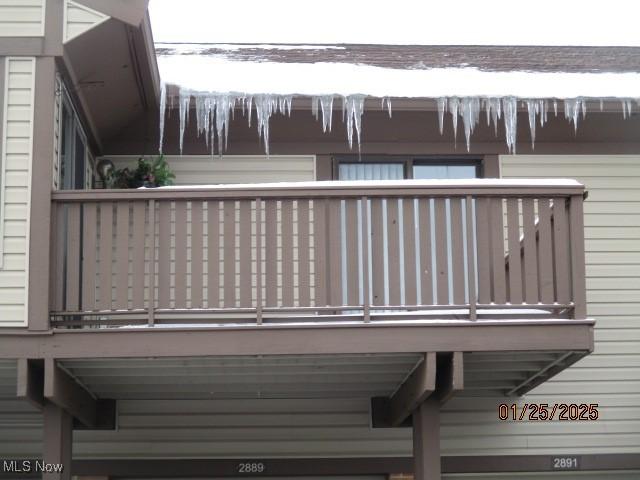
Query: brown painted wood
x=457, y=251
x=498, y=265
x=304, y=283
x=578, y=282
x=89, y=226
x=30, y=382
x=64, y=391
x=335, y=253
x=442, y=267
x=138, y=259
x=271, y=253
x=471, y=258
x=320, y=252
x=286, y=217
x=353, y=272
x=484, y=254
x=426, y=441
x=197, y=254
x=213, y=254
x=377, y=253
x=57, y=439
x=164, y=254
x=259, y=255
x=530, y=256
x=545, y=252
x=450, y=376
x=515, y=251
x=153, y=281
x=245, y=254
x=393, y=251
x=122, y=255
x=410, y=257
x=180, y=275
x=106, y=254
x=229, y=261
x=561, y=250
x=414, y=390
x=366, y=264
x=426, y=268
x=73, y=257
x=56, y=269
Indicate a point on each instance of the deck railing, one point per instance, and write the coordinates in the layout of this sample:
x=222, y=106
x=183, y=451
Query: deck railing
x=318, y=252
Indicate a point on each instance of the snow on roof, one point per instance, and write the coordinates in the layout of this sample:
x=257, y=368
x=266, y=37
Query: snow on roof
x=403, y=71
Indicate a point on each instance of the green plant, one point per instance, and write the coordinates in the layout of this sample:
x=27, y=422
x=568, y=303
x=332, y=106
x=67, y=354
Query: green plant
x=153, y=172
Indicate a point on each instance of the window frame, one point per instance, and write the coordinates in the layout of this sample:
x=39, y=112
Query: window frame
x=408, y=162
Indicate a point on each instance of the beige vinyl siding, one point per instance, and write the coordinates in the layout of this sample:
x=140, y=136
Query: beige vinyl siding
x=79, y=19
x=22, y=18
x=14, y=207
x=208, y=170
x=610, y=376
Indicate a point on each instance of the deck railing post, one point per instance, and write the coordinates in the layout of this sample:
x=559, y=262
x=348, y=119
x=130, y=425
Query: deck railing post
x=576, y=244
x=366, y=301
x=152, y=262
x=259, y=261
x=471, y=258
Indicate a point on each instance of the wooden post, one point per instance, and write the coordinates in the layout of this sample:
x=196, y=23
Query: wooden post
x=576, y=232
x=152, y=261
x=426, y=440
x=57, y=442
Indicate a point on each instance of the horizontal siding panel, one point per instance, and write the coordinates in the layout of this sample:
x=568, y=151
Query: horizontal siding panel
x=16, y=160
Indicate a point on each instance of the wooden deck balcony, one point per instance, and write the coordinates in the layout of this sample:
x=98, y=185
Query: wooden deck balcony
x=321, y=252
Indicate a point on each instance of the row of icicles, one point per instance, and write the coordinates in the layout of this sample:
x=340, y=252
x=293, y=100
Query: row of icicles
x=214, y=111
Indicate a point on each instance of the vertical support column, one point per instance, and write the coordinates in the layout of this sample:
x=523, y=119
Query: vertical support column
x=426, y=440
x=578, y=275
x=57, y=443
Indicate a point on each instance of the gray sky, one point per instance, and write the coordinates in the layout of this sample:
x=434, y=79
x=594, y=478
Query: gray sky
x=435, y=22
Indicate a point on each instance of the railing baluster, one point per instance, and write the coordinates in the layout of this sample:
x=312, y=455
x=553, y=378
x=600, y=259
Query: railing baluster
x=483, y=242
x=497, y=251
x=229, y=229
x=320, y=252
x=457, y=251
x=366, y=285
x=180, y=276
x=576, y=244
x=138, y=255
x=164, y=254
x=73, y=257
x=196, y=254
x=561, y=250
x=530, y=260
x=515, y=251
x=213, y=254
x=545, y=252
x=304, y=289
x=377, y=252
x=259, y=303
x=442, y=265
x=426, y=269
x=335, y=264
x=271, y=252
x=393, y=250
x=106, y=254
x=353, y=275
x=286, y=222
x=152, y=262
x=245, y=253
x=471, y=259
x=410, y=260
x=122, y=255
x=89, y=257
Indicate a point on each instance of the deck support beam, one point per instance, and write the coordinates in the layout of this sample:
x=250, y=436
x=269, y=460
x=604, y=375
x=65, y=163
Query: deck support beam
x=414, y=391
x=426, y=440
x=57, y=442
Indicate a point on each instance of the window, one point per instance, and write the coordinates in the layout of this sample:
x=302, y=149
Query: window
x=73, y=151
x=398, y=168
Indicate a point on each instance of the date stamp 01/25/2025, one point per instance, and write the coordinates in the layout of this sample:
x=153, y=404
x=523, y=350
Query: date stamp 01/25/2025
x=545, y=412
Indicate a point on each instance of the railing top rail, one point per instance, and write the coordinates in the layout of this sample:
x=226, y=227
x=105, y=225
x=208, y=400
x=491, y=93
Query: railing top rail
x=323, y=189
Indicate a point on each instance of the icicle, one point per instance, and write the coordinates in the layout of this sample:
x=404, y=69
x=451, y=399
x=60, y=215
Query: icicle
x=386, y=100
x=533, y=107
x=626, y=108
x=572, y=108
x=470, y=109
x=314, y=107
x=326, y=105
x=544, y=108
x=185, y=100
x=555, y=107
x=510, y=109
x=442, y=106
x=454, y=107
x=493, y=111
x=601, y=104
x=163, y=112
x=354, y=106
x=249, y=102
